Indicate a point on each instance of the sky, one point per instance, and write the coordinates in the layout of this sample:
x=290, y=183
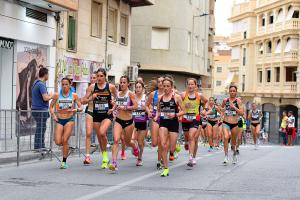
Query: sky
x=222, y=13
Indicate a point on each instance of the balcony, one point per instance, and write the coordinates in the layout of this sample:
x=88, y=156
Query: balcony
x=243, y=8
x=290, y=88
x=291, y=56
x=293, y=24
x=234, y=66
x=138, y=3
x=55, y=5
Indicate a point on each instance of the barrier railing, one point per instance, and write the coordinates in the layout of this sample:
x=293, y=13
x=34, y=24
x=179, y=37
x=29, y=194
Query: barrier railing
x=33, y=131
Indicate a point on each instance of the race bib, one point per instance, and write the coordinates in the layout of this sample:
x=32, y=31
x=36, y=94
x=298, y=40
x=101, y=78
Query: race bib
x=139, y=114
x=165, y=114
x=101, y=107
x=65, y=104
x=122, y=102
x=190, y=116
x=230, y=113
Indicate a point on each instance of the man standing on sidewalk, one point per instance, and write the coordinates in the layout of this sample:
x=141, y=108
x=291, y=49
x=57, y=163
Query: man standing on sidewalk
x=291, y=127
x=40, y=107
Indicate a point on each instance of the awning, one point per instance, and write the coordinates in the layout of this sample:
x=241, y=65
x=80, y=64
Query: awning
x=229, y=78
x=278, y=47
x=280, y=16
x=291, y=44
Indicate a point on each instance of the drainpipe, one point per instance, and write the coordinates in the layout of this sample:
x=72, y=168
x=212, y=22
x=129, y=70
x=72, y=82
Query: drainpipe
x=106, y=38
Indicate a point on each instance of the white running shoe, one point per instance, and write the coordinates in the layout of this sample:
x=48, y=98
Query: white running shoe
x=234, y=158
x=194, y=161
x=226, y=160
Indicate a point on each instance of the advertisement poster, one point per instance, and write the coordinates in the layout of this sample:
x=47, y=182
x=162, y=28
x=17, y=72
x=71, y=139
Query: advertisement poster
x=30, y=58
x=79, y=69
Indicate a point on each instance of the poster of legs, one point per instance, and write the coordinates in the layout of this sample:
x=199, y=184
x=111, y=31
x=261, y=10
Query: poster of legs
x=30, y=58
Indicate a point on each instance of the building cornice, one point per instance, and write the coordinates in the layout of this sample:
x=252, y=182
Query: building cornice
x=274, y=5
x=241, y=16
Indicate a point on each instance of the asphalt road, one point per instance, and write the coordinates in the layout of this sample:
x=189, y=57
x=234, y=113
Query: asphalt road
x=272, y=172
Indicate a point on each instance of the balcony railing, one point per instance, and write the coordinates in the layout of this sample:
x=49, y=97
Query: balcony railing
x=265, y=2
x=243, y=8
x=291, y=56
x=293, y=24
x=290, y=87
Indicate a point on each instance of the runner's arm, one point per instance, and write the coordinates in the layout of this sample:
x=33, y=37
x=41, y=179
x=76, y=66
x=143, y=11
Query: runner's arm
x=52, y=105
x=181, y=106
x=77, y=101
x=134, y=103
x=88, y=95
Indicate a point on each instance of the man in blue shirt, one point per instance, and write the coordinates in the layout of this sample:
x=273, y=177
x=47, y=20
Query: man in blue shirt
x=40, y=107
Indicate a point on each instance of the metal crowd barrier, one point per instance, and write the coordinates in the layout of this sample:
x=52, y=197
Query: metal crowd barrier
x=28, y=131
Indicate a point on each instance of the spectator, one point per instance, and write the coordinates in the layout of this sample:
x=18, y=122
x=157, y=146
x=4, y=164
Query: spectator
x=283, y=127
x=291, y=127
x=40, y=107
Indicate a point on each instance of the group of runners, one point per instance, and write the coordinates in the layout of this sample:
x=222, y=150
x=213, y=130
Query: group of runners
x=162, y=105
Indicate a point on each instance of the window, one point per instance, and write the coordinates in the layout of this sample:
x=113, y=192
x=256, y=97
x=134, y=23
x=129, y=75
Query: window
x=244, y=56
x=160, y=38
x=112, y=25
x=189, y=42
x=218, y=83
x=271, y=19
x=96, y=19
x=269, y=47
x=296, y=14
x=124, y=30
x=277, y=74
x=197, y=45
x=263, y=21
x=260, y=76
x=243, y=85
x=245, y=34
x=291, y=74
x=268, y=75
x=72, y=26
x=261, y=49
x=219, y=69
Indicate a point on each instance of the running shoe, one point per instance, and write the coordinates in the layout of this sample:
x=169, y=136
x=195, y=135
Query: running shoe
x=64, y=165
x=135, y=152
x=176, y=155
x=255, y=146
x=210, y=149
x=234, y=158
x=105, y=157
x=87, y=161
x=158, y=165
x=171, y=157
x=139, y=162
x=238, y=152
x=104, y=165
x=190, y=162
x=226, y=160
x=165, y=173
x=123, y=156
x=186, y=146
x=178, y=148
x=113, y=166
x=194, y=161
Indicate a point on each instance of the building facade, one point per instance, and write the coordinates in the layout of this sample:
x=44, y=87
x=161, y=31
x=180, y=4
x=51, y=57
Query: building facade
x=174, y=37
x=222, y=60
x=98, y=35
x=27, y=42
x=265, y=57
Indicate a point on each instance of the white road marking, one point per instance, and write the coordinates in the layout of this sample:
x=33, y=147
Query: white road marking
x=130, y=182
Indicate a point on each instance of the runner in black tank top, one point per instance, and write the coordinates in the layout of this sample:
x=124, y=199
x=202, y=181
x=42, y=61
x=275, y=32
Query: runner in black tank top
x=101, y=93
x=168, y=128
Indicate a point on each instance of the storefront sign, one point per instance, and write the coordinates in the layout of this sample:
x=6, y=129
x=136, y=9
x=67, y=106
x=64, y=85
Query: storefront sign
x=6, y=43
x=79, y=69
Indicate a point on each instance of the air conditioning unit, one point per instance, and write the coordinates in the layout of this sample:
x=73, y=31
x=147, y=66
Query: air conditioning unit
x=132, y=73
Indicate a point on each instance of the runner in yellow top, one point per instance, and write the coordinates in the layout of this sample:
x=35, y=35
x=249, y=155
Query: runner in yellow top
x=191, y=120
